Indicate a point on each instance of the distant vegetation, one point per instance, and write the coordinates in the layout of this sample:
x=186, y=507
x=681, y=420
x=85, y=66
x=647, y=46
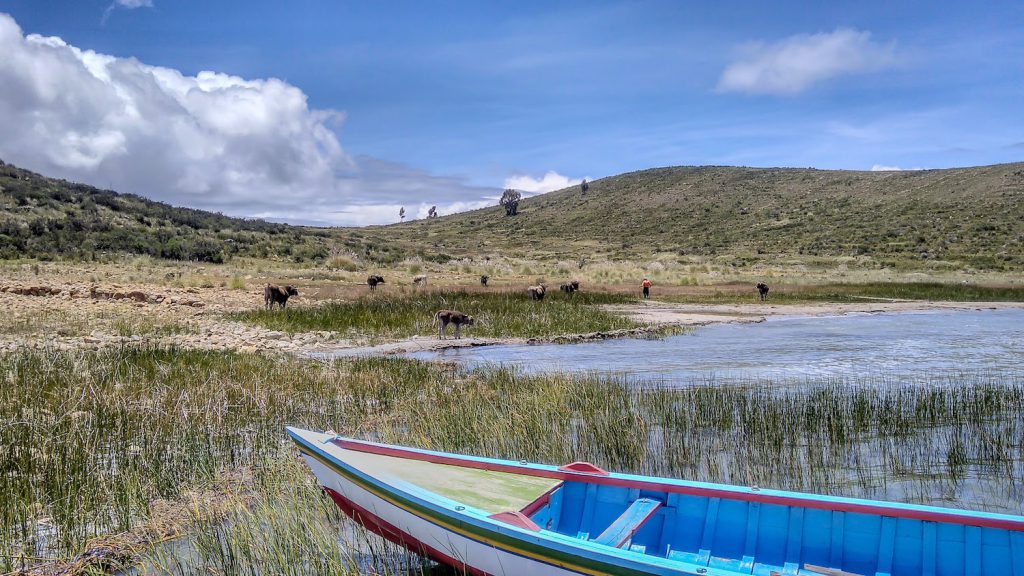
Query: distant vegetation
x=954, y=219
x=47, y=218
x=926, y=219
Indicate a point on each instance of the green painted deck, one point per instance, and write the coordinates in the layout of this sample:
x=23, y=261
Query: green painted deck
x=489, y=491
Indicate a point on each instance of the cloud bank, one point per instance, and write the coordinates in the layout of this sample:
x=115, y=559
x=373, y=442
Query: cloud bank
x=550, y=182
x=212, y=141
x=794, y=64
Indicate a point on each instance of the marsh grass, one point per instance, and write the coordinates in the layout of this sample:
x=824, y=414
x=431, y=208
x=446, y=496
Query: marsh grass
x=88, y=441
x=497, y=314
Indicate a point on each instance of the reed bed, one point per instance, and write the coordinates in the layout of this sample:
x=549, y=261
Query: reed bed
x=88, y=441
x=497, y=314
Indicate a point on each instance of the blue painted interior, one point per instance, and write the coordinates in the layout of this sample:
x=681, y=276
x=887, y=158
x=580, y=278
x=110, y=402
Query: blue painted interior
x=760, y=538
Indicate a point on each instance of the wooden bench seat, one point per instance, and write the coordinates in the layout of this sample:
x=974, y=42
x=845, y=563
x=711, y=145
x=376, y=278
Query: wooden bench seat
x=623, y=528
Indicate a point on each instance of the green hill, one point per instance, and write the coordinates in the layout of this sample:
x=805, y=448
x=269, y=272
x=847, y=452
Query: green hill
x=963, y=217
x=954, y=218
x=47, y=218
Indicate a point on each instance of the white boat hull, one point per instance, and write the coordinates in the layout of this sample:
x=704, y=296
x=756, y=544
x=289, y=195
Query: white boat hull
x=435, y=541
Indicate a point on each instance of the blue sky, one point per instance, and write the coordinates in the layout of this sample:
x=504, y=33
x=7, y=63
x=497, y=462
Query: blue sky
x=340, y=112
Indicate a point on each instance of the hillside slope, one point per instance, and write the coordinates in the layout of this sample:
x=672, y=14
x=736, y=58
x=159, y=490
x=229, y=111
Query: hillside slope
x=47, y=218
x=971, y=217
x=953, y=218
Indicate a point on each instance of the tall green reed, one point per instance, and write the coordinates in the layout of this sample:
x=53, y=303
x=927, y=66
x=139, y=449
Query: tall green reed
x=497, y=314
x=88, y=441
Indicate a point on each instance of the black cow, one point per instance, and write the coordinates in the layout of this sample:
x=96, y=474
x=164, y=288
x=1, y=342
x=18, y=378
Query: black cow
x=762, y=290
x=274, y=294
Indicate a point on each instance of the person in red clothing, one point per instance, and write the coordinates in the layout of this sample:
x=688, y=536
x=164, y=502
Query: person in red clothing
x=646, y=285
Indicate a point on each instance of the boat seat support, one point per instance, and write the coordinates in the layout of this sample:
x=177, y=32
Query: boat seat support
x=623, y=528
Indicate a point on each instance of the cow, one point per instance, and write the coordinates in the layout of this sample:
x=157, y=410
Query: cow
x=420, y=280
x=536, y=292
x=372, y=281
x=484, y=279
x=570, y=287
x=274, y=294
x=762, y=290
x=445, y=317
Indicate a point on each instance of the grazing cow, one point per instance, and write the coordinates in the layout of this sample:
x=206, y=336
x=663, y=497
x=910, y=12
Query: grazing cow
x=536, y=292
x=420, y=280
x=372, y=281
x=570, y=287
x=445, y=317
x=762, y=290
x=274, y=294
x=484, y=279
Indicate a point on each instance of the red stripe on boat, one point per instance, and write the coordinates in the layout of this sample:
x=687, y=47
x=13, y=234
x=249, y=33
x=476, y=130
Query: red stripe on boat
x=392, y=533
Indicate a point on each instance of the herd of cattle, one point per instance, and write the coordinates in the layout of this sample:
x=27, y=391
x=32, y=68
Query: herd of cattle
x=274, y=294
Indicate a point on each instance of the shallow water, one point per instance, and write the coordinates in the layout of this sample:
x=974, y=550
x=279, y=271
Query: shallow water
x=914, y=346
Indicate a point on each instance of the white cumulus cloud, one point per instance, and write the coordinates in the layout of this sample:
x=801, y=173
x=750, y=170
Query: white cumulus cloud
x=213, y=141
x=883, y=168
x=127, y=4
x=796, y=63
x=549, y=182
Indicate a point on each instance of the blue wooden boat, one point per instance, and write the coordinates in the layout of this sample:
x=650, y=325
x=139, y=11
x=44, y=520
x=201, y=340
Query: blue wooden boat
x=488, y=516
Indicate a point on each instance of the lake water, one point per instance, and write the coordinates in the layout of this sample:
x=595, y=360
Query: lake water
x=914, y=346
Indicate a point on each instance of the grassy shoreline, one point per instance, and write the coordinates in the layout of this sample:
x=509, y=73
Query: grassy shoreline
x=497, y=314
x=90, y=440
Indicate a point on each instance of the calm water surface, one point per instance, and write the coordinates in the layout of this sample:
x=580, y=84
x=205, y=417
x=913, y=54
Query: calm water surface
x=910, y=346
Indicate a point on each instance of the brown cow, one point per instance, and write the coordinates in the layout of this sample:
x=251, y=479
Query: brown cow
x=274, y=294
x=445, y=317
x=570, y=287
x=536, y=292
x=372, y=281
x=762, y=290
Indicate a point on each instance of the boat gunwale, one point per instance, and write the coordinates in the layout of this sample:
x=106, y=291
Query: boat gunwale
x=622, y=561
x=693, y=488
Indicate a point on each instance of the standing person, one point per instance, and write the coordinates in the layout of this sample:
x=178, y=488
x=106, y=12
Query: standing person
x=646, y=285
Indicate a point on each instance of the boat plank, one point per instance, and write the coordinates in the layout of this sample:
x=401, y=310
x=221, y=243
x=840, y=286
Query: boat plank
x=750, y=546
x=708, y=537
x=972, y=551
x=794, y=547
x=623, y=528
x=928, y=549
x=886, y=544
x=587, y=517
x=1017, y=552
x=827, y=571
x=838, y=523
